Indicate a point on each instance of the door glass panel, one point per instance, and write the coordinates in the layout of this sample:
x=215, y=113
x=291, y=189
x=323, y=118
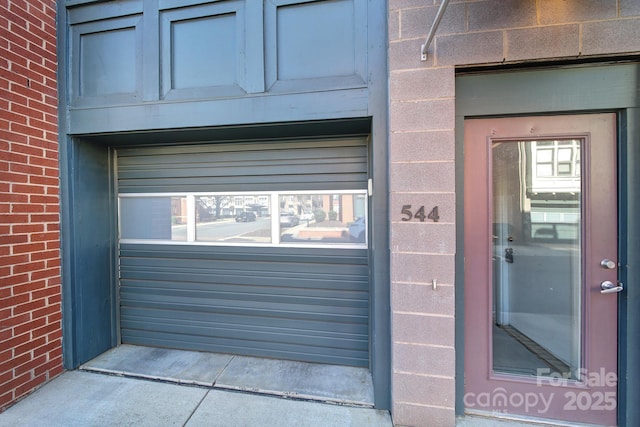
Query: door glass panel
x=536, y=187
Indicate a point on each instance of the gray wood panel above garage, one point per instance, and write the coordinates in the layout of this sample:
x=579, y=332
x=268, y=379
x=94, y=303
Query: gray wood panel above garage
x=137, y=65
x=262, y=109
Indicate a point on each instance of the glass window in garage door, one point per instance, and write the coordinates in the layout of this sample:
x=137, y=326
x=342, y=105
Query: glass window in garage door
x=320, y=218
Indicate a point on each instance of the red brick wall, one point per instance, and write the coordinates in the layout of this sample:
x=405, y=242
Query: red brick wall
x=30, y=313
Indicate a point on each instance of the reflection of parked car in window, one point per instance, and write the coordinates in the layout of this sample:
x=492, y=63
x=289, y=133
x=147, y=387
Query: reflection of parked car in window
x=245, y=217
x=288, y=219
x=306, y=216
x=357, y=230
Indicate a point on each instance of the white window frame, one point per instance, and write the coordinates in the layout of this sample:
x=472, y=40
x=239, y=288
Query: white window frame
x=275, y=218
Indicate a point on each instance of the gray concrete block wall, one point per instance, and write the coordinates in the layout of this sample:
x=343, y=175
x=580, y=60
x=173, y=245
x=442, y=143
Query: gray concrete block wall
x=422, y=169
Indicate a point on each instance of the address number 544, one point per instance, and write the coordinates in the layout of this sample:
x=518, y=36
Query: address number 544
x=419, y=214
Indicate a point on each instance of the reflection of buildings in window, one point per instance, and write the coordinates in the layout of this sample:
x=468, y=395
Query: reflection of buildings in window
x=178, y=210
x=347, y=207
x=342, y=204
x=211, y=208
x=238, y=203
x=219, y=218
x=556, y=165
x=324, y=218
x=553, y=195
x=537, y=189
x=299, y=204
x=256, y=204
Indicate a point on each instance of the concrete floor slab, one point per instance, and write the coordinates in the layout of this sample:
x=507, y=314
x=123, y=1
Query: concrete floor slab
x=180, y=366
x=299, y=379
x=89, y=399
x=232, y=409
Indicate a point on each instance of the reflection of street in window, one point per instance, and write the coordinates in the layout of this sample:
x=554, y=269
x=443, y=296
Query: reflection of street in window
x=323, y=218
x=316, y=218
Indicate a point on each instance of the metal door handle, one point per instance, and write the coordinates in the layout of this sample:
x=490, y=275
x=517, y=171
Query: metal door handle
x=608, y=287
x=607, y=264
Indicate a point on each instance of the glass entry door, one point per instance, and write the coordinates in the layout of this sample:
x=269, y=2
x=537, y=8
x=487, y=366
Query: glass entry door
x=541, y=267
x=536, y=256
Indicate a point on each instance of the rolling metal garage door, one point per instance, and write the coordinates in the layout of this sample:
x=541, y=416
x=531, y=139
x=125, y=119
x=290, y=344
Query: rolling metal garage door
x=282, y=295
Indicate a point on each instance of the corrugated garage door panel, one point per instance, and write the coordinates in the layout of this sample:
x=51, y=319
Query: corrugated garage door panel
x=265, y=166
x=309, y=305
x=301, y=303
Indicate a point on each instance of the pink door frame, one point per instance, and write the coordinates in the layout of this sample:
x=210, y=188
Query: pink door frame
x=592, y=401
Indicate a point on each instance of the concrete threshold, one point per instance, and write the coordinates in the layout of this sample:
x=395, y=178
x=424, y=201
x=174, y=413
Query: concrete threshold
x=294, y=380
